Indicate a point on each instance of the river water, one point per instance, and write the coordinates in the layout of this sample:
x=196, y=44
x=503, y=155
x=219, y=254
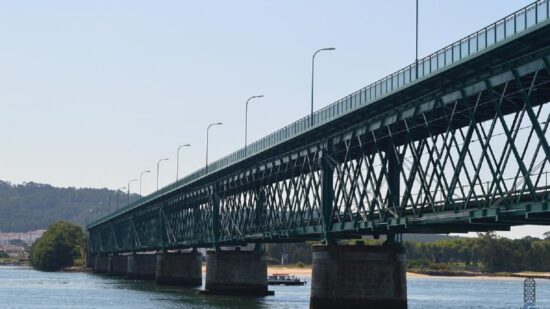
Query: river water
x=23, y=287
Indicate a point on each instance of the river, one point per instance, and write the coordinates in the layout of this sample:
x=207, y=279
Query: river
x=23, y=287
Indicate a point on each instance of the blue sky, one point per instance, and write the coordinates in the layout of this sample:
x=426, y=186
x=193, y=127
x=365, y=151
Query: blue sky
x=94, y=92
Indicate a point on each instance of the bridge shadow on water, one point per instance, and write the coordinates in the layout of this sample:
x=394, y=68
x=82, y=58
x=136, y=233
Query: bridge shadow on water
x=180, y=297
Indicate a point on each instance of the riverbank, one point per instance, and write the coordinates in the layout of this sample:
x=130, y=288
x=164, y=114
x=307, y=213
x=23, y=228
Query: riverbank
x=480, y=275
x=305, y=270
x=12, y=262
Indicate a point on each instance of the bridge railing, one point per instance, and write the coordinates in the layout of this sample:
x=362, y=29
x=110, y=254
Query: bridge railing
x=495, y=34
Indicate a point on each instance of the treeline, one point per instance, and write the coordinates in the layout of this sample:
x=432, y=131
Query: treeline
x=487, y=252
x=33, y=206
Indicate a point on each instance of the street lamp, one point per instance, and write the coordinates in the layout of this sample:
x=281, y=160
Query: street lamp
x=313, y=76
x=158, y=166
x=207, y=131
x=129, y=182
x=140, y=179
x=246, y=120
x=178, y=160
x=117, y=191
x=416, y=62
x=90, y=216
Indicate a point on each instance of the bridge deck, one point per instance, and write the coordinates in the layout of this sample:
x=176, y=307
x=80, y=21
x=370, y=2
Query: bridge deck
x=461, y=147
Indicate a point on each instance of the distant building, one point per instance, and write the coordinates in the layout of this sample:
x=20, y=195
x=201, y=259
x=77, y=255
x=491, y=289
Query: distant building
x=28, y=237
x=15, y=251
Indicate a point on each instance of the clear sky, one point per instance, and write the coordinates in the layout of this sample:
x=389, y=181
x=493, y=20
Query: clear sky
x=94, y=92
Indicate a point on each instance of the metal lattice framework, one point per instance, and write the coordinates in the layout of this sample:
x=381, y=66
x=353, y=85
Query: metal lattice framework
x=465, y=150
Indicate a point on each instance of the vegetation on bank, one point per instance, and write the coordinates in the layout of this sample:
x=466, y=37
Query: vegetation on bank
x=458, y=255
x=59, y=247
x=486, y=253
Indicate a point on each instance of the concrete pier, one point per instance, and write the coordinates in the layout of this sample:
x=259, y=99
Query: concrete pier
x=183, y=269
x=236, y=273
x=101, y=264
x=358, y=277
x=141, y=266
x=118, y=265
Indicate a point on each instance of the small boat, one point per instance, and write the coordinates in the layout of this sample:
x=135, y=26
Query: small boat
x=284, y=279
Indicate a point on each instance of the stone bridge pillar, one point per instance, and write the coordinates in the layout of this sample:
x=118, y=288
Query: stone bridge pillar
x=118, y=265
x=101, y=263
x=236, y=273
x=141, y=266
x=358, y=277
x=184, y=269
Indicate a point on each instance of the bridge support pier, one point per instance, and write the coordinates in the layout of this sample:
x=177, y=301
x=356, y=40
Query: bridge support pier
x=236, y=273
x=101, y=264
x=141, y=266
x=184, y=269
x=118, y=265
x=358, y=277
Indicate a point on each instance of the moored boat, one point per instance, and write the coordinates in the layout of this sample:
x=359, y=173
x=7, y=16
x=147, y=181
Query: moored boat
x=284, y=279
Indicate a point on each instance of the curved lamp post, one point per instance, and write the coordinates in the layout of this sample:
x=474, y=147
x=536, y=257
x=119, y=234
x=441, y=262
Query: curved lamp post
x=313, y=76
x=158, y=167
x=178, y=160
x=207, y=132
x=117, y=191
x=140, y=179
x=246, y=121
x=416, y=61
x=129, y=183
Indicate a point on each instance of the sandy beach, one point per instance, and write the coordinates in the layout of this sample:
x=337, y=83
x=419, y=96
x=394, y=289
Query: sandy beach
x=306, y=271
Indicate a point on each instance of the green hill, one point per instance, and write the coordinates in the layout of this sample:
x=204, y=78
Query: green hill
x=32, y=206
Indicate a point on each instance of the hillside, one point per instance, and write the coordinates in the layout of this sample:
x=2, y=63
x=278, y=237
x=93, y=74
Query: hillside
x=32, y=206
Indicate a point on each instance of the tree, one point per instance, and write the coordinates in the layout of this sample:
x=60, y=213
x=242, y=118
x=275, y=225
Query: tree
x=547, y=235
x=3, y=255
x=60, y=245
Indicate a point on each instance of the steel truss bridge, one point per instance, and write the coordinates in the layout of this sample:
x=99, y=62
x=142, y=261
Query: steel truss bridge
x=457, y=142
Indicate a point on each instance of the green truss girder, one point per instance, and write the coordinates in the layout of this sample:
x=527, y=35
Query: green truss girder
x=465, y=150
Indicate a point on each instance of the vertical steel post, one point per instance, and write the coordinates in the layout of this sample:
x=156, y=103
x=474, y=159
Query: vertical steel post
x=196, y=227
x=162, y=230
x=134, y=239
x=327, y=194
x=215, y=200
x=393, y=177
x=260, y=206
